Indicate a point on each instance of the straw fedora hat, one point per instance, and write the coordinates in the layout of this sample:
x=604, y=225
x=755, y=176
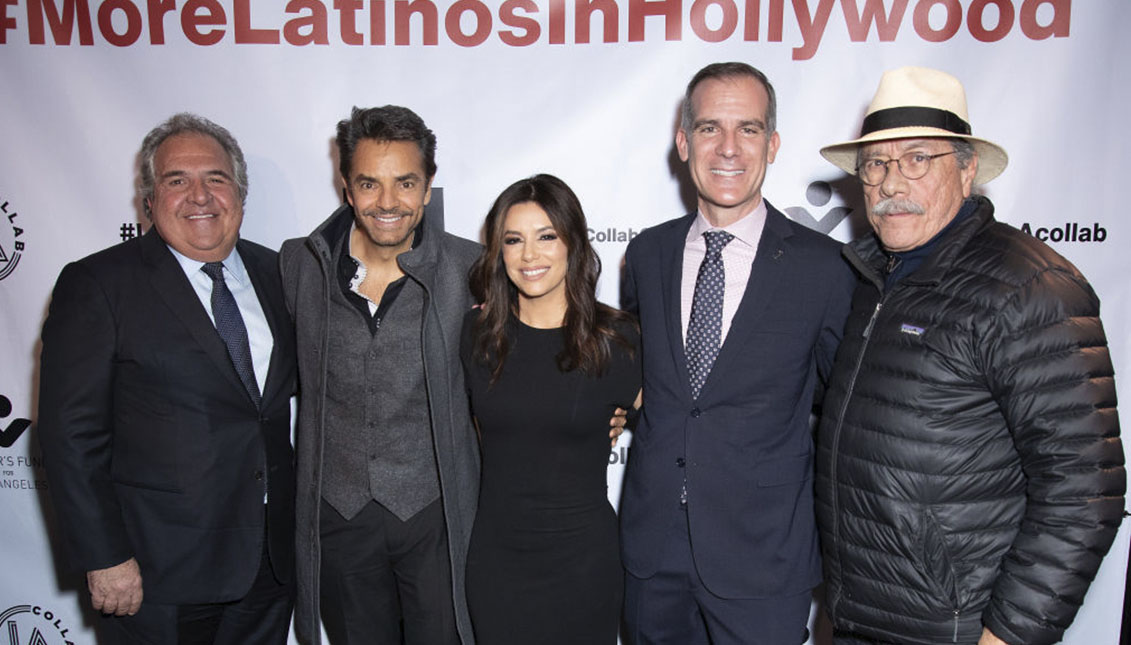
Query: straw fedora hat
x=916, y=102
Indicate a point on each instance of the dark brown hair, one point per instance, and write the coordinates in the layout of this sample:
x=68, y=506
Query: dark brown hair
x=388, y=123
x=589, y=325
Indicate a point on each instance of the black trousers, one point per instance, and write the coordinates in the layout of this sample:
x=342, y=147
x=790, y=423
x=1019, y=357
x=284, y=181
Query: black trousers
x=385, y=580
x=262, y=617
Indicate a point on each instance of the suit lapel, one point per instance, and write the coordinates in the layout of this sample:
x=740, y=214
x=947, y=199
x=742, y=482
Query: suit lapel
x=269, y=291
x=171, y=284
x=671, y=270
x=768, y=270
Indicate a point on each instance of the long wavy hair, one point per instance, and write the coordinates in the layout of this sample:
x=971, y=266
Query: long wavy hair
x=589, y=325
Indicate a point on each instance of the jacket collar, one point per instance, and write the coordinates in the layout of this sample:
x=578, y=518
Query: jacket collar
x=416, y=262
x=869, y=258
x=172, y=286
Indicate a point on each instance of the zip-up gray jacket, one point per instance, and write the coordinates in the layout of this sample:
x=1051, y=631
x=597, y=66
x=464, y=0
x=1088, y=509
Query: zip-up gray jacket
x=440, y=265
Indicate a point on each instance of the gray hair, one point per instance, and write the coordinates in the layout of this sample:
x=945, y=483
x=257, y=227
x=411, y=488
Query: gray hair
x=728, y=71
x=963, y=152
x=187, y=123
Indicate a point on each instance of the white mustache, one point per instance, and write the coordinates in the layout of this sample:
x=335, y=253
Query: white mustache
x=897, y=205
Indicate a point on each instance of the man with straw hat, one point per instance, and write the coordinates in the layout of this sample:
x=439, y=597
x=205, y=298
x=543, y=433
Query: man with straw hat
x=969, y=468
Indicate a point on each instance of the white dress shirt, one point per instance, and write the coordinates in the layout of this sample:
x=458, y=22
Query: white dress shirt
x=738, y=259
x=239, y=283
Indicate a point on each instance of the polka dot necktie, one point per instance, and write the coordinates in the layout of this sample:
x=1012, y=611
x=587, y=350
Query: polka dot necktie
x=704, y=331
x=229, y=323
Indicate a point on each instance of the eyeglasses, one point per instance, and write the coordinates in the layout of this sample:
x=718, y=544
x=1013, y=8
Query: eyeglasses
x=913, y=165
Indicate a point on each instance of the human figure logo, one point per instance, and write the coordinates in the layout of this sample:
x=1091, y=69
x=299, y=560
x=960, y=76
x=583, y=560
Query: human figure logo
x=13, y=430
x=818, y=194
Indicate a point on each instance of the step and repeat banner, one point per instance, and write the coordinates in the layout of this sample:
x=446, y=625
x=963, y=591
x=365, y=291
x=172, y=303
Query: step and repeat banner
x=584, y=89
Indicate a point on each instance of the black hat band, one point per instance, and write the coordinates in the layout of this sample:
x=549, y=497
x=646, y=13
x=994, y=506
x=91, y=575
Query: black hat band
x=903, y=117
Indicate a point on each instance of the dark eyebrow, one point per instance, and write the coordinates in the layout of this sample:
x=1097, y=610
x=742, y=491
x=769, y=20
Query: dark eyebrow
x=399, y=178
x=209, y=173
x=541, y=230
x=758, y=123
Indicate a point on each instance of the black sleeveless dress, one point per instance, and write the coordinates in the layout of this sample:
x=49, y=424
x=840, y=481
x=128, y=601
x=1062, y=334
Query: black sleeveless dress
x=544, y=564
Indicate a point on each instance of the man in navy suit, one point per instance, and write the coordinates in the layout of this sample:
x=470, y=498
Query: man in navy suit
x=741, y=311
x=167, y=368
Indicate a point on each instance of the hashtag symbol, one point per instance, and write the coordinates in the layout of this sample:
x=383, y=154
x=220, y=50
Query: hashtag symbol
x=127, y=232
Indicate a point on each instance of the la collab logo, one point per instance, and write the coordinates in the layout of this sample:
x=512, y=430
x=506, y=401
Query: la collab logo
x=11, y=246
x=32, y=625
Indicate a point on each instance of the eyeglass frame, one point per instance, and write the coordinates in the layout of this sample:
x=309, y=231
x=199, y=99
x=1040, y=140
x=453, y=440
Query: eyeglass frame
x=887, y=166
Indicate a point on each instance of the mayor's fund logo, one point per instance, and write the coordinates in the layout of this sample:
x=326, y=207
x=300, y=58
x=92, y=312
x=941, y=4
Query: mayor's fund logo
x=10, y=430
x=17, y=471
x=818, y=194
x=32, y=625
x=11, y=242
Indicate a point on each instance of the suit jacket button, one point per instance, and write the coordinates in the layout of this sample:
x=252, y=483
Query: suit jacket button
x=680, y=462
x=259, y=475
x=695, y=413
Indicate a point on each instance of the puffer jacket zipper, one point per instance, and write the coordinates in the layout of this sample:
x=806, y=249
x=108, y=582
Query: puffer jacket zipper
x=836, y=440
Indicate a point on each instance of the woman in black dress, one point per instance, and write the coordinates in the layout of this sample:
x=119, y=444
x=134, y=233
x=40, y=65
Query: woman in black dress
x=546, y=366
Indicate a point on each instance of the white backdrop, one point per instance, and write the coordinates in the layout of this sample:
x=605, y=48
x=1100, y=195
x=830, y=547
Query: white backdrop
x=584, y=89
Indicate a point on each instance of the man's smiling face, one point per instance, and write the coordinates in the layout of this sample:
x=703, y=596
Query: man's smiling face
x=196, y=205
x=727, y=148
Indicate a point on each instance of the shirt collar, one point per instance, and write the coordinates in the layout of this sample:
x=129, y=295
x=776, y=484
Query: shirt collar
x=746, y=230
x=351, y=270
x=233, y=265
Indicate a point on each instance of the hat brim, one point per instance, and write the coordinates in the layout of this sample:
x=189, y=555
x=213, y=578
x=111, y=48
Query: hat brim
x=992, y=158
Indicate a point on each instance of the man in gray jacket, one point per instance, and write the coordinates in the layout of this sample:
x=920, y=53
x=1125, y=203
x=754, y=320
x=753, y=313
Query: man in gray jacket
x=388, y=464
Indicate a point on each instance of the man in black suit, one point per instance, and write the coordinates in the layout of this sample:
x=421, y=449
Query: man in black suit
x=167, y=368
x=740, y=311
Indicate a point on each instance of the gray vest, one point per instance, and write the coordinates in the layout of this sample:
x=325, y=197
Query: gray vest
x=378, y=440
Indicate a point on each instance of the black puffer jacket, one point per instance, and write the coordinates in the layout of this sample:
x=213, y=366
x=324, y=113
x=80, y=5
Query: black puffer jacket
x=969, y=466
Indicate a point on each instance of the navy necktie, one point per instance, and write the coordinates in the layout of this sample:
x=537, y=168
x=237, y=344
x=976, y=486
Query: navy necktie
x=229, y=323
x=704, y=330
